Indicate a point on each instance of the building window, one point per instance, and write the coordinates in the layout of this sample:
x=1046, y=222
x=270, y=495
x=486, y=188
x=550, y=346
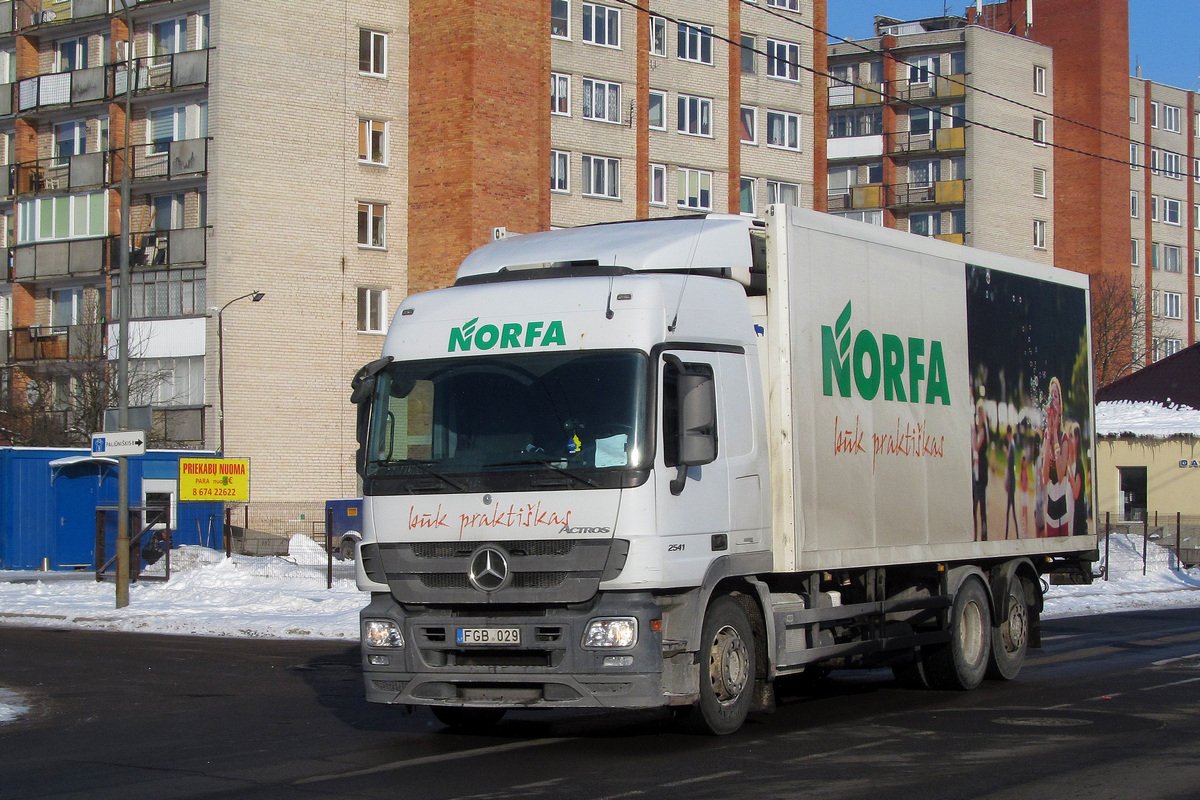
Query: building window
x=1135, y=156
x=372, y=310
x=602, y=177
x=747, y=54
x=746, y=193
x=694, y=115
x=560, y=94
x=170, y=124
x=694, y=43
x=601, y=100
x=371, y=225
x=1039, y=234
x=601, y=25
x=1196, y=309
x=657, y=108
x=925, y=224
x=72, y=54
x=783, y=130
x=695, y=189
x=158, y=294
x=1196, y=217
x=560, y=19
x=1170, y=118
x=1196, y=170
x=1153, y=114
x=922, y=69
x=1171, y=346
x=1172, y=305
x=1171, y=262
x=1170, y=211
x=372, y=53
x=790, y=5
x=1039, y=131
x=1154, y=208
x=857, y=122
x=1135, y=204
x=49, y=219
x=1171, y=165
x=658, y=185
x=169, y=37
x=1135, y=103
x=372, y=141
x=924, y=174
x=70, y=139
x=781, y=192
x=1039, y=182
x=1135, y=252
x=749, y=125
x=1039, y=80
x=559, y=169
x=658, y=37
x=783, y=60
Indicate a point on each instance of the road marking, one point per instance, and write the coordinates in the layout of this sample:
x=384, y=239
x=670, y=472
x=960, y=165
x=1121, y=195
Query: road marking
x=827, y=753
x=416, y=762
x=1168, y=685
x=700, y=778
x=1165, y=661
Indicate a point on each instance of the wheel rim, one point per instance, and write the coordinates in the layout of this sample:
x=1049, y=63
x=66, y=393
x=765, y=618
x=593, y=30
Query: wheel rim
x=728, y=668
x=1015, y=630
x=971, y=631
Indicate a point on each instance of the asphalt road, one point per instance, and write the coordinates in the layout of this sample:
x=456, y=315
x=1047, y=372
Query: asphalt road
x=1109, y=709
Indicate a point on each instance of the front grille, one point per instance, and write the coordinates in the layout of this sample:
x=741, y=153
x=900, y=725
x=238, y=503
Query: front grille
x=535, y=547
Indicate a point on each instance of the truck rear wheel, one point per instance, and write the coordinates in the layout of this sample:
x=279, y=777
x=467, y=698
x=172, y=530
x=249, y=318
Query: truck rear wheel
x=962, y=662
x=727, y=666
x=1010, y=639
x=469, y=720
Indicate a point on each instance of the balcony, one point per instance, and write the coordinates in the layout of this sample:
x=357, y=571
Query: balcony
x=167, y=160
x=39, y=343
x=184, y=247
x=941, y=140
x=31, y=13
x=868, y=195
x=70, y=173
x=925, y=195
x=941, y=87
x=844, y=94
x=74, y=258
x=152, y=75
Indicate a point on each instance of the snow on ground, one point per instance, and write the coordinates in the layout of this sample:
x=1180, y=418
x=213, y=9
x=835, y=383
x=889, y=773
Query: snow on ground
x=247, y=596
x=1118, y=417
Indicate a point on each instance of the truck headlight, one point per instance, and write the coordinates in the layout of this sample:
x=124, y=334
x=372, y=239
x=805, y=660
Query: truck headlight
x=611, y=632
x=382, y=633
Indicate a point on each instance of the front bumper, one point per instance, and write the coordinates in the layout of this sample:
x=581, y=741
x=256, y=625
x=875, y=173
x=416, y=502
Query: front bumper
x=549, y=669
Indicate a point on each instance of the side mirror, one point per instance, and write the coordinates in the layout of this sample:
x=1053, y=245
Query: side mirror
x=697, y=420
x=363, y=384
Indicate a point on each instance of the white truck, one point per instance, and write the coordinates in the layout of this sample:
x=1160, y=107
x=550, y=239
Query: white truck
x=662, y=462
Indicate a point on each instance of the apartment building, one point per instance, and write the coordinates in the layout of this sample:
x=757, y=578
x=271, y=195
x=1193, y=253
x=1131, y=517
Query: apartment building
x=261, y=156
x=1164, y=216
x=942, y=128
x=333, y=157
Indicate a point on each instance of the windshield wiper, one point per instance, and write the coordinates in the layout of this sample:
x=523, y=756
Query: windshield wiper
x=545, y=462
x=428, y=470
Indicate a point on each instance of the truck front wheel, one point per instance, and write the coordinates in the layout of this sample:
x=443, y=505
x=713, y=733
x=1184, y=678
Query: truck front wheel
x=727, y=667
x=1010, y=639
x=962, y=662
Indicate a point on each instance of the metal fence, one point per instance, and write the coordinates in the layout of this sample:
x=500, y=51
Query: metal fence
x=1175, y=533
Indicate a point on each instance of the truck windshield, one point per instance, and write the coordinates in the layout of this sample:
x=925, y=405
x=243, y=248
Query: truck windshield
x=572, y=420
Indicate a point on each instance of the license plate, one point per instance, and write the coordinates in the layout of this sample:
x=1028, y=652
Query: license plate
x=489, y=635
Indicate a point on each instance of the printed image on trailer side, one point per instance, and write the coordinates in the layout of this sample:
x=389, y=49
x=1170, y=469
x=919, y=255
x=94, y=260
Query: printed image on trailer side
x=1031, y=385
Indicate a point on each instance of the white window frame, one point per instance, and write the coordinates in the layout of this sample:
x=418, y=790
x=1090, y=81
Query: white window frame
x=1135, y=204
x=753, y=118
x=791, y=124
x=1171, y=211
x=692, y=188
x=376, y=51
x=1135, y=103
x=1170, y=118
x=777, y=189
x=62, y=217
x=1153, y=114
x=790, y=5
x=658, y=36
x=783, y=60
x=1171, y=166
x=176, y=43
x=1039, y=182
x=1135, y=156
x=78, y=137
x=372, y=309
x=567, y=19
x=372, y=141
x=662, y=105
x=1039, y=80
x=610, y=177
x=602, y=25
x=1172, y=258
x=1039, y=131
x=1196, y=309
x=560, y=171
x=694, y=42
x=1039, y=234
x=693, y=115
x=925, y=69
x=560, y=94
x=1135, y=252
x=80, y=56
x=752, y=183
x=1171, y=346
x=610, y=111
x=658, y=185
x=372, y=236
x=933, y=217
x=1172, y=305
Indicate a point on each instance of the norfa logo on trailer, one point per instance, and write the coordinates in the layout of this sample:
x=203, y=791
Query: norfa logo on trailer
x=868, y=362
x=510, y=335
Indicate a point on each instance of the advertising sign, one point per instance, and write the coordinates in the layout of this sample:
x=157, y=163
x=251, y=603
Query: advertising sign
x=224, y=479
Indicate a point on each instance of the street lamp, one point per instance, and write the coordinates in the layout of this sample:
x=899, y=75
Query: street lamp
x=254, y=298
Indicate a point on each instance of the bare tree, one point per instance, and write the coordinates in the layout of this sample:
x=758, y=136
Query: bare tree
x=1119, y=314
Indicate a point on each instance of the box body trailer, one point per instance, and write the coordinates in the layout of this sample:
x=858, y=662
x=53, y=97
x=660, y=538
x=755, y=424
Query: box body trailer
x=664, y=462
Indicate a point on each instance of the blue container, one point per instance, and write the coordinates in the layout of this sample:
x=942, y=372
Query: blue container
x=347, y=516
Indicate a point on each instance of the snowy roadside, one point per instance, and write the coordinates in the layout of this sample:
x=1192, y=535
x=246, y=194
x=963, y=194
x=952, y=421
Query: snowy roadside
x=268, y=597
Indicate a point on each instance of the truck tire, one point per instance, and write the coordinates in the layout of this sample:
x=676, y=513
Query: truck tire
x=468, y=720
x=962, y=662
x=1010, y=639
x=727, y=668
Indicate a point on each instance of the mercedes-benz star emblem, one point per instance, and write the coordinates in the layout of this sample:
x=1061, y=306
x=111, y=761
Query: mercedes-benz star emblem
x=489, y=569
